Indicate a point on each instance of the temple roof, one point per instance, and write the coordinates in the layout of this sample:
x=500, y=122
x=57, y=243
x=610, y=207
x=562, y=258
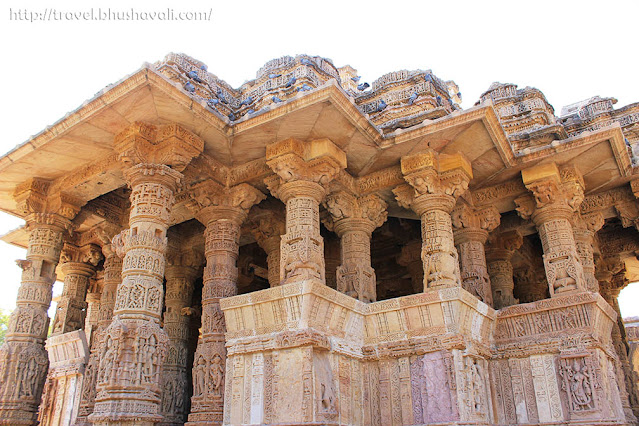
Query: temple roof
x=308, y=97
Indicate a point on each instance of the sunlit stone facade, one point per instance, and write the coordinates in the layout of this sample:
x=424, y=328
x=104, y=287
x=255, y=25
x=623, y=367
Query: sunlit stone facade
x=314, y=249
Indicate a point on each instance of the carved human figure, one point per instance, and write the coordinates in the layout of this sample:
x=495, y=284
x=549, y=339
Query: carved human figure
x=217, y=373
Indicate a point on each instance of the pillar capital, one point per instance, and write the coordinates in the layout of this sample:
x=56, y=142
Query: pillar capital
x=316, y=161
x=556, y=193
x=437, y=180
x=352, y=212
x=505, y=242
x=80, y=259
x=40, y=208
x=171, y=145
x=211, y=201
x=472, y=224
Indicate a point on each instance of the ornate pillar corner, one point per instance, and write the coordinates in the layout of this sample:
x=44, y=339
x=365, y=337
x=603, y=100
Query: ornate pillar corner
x=470, y=230
x=499, y=251
x=302, y=172
x=222, y=211
x=354, y=218
x=435, y=181
x=268, y=226
x=557, y=195
x=23, y=358
x=134, y=345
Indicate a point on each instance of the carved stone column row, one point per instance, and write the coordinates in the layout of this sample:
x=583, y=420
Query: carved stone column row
x=23, y=359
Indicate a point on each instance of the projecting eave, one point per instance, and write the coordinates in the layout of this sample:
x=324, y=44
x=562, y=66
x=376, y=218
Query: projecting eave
x=76, y=153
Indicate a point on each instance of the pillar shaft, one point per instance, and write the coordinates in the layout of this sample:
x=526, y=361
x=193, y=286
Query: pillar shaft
x=354, y=218
x=584, y=234
x=220, y=280
x=471, y=228
x=267, y=227
x=111, y=278
x=302, y=247
x=222, y=211
x=23, y=359
x=175, y=370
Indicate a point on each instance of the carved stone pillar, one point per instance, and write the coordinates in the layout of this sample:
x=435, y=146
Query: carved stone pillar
x=471, y=228
x=94, y=294
x=557, y=195
x=354, y=219
x=111, y=278
x=411, y=258
x=499, y=251
x=134, y=346
x=584, y=232
x=222, y=211
x=302, y=171
x=181, y=272
x=267, y=227
x=610, y=290
x=23, y=359
x=68, y=345
x=436, y=180
x=78, y=266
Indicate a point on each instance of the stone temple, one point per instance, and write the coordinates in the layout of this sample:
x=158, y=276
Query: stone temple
x=310, y=249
